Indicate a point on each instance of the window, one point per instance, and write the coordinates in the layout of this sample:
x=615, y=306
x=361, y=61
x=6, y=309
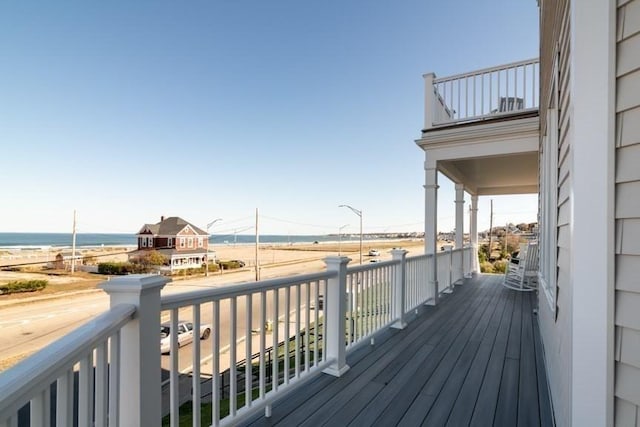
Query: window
x=199, y=242
x=549, y=201
x=150, y=242
x=143, y=242
x=182, y=242
x=169, y=242
x=190, y=242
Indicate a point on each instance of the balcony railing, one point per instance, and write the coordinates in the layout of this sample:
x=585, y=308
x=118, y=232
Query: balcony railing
x=482, y=94
x=267, y=338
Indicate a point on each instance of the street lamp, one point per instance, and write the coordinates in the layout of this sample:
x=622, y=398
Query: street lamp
x=340, y=239
x=359, y=213
x=206, y=265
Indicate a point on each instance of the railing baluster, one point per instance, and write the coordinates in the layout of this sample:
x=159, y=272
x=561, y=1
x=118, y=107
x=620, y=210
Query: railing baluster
x=215, y=365
x=276, y=326
x=316, y=324
x=85, y=391
x=102, y=385
x=474, y=95
x=307, y=341
x=114, y=380
x=248, y=374
x=263, y=338
x=174, y=351
x=233, y=360
x=524, y=83
x=297, y=340
x=64, y=399
x=37, y=412
x=287, y=334
x=195, y=385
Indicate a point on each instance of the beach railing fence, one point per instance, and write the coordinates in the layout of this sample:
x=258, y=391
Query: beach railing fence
x=266, y=339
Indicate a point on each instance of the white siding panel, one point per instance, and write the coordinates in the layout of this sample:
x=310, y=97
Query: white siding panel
x=628, y=199
x=626, y=413
x=628, y=236
x=628, y=273
x=627, y=313
x=628, y=55
x=630, y=19
x=628, y=127
x=628, y=164
x=630, y=347
x=565, y=190
x=628, y=91
x=627, y=380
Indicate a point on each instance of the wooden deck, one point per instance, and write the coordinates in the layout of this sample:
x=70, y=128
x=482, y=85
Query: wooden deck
x=475, y=359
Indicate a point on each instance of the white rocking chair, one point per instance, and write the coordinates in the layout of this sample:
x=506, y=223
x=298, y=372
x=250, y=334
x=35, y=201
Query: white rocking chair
x=522, y=274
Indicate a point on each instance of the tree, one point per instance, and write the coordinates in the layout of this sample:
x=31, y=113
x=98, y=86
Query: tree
x=154, y=258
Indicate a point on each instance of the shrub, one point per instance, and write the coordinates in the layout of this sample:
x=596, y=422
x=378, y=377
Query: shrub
x=22, y=286
x=229, y=265
x=500, y=266
x=486, y=267
x=120, y=268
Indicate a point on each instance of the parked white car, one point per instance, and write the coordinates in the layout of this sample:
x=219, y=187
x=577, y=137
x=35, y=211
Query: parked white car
x=185, y=334
x=374, y=252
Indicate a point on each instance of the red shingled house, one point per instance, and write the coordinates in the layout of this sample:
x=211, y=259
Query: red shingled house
x=184, y=244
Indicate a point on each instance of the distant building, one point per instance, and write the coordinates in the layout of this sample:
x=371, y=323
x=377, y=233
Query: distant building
x=182, y=243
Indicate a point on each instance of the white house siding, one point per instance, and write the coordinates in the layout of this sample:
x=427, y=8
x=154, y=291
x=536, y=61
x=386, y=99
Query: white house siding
x=556, y=327
x=627, y=301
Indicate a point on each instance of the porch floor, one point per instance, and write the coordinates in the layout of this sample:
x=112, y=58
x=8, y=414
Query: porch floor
x=474, y=359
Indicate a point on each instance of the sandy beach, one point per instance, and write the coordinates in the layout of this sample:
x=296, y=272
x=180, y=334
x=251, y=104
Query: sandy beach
x=28, y=263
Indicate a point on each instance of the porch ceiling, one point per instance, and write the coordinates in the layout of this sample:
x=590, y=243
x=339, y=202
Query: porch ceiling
x=489, y=157
x=508, y=174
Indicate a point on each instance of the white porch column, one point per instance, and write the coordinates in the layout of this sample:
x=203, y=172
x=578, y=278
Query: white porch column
x=459, y=267
x=431, y=222
x=473, y=234
x=592, y=135
x=139, y=394
x=335, y=305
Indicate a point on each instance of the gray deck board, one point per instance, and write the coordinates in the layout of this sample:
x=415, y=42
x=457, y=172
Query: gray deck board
x=474, y=359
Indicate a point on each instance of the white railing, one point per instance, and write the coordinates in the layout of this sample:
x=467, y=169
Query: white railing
x=417, y=271
x=81, y=370
x=269, y=335
x=369, y=299
x=259, y=341
x=482, y=94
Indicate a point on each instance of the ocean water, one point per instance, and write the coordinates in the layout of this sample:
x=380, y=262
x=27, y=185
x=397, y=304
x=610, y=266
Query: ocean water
x=44, y=240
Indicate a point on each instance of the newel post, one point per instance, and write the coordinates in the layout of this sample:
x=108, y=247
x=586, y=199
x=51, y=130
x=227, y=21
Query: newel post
x=429, y=100
x=448, y=252
x=399, y=288
x=335, y=314
x=139, y=391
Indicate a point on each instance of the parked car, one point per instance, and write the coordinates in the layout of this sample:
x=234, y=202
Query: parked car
x=374, y=260
x=374, y=252
x=185, y=334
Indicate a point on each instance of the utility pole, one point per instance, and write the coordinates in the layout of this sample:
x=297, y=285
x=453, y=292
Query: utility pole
x=257, y=244
x=490, y=231
x=73, y=245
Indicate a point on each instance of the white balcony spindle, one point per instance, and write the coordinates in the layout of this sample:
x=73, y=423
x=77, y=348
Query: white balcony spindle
x=275, y=382
x=114, y=380
x=102, y=385
x=287, y=334
x=233, y=360
x=195, y=376
x=174, y=385
x=297, y=329
x=215, y=365
x=248, y=374
x=263, y=342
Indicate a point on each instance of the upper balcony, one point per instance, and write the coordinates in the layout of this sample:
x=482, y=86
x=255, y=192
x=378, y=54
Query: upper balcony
x=481, y=129
x=495, y=93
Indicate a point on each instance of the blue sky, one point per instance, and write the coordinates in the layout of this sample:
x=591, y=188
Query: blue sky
x=126, y=111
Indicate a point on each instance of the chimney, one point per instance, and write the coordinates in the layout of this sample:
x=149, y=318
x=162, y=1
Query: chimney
x=162, y=218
